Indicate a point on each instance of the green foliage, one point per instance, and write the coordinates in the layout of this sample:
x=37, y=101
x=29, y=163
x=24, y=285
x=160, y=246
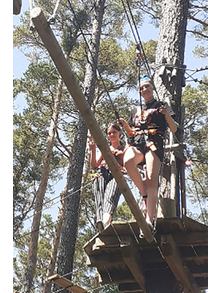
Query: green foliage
x=105, y=113
x=38, y=87
x=123, y=213
x=43, y=255
x=201, y=52
x=196, y=137
x=27, y=154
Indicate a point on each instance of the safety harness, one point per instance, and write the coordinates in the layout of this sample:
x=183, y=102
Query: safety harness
x=104, y=165
x=145, y=136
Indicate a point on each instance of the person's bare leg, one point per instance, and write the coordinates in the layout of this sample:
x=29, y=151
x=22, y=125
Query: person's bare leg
x=132, y=158
x=106, y=219
x=153, y=165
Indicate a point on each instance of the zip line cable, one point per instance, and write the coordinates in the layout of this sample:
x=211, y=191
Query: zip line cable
x=196, y=79
x=30, y=232
x=42, y=227
x=68, y=195
x=136, y=38
x=129, y=21
x=140, y=42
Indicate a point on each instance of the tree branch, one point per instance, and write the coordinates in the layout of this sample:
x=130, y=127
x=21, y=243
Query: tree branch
x=62, y=144
x=205, y=24
x=198, y=33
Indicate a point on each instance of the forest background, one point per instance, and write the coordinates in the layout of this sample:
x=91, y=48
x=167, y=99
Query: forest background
x=193, y=90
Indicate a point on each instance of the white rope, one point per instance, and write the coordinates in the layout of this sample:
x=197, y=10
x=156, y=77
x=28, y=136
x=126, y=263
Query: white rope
x=52, y=19
x=31, y=6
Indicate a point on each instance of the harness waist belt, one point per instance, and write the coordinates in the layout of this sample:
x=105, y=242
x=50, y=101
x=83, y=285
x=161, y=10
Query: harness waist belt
x=148, y=131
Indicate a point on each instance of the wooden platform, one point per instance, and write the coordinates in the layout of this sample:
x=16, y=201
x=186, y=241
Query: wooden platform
x=66, y=284
x=180, y=247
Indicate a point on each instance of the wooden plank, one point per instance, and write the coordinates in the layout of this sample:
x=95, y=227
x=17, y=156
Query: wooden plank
x=133, y=260
x=192, y=225
x=191, y=238
x=83, y=106
x=174, y=147
x=198, y=270
x=190, y=241
x=115, y=276
x=130, y=287
x=169, y=225
x=202, y=282
x=105, y=259
x=65, y=283
x=181, y=271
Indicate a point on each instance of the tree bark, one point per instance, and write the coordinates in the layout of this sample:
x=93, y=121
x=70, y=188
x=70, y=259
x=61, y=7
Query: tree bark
x=168, y=80
x=33, y=244
x=55, y=245
x=170, y=53
x=71, y=213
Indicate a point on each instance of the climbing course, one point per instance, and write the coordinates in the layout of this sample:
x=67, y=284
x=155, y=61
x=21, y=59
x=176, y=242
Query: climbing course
x=173, y=250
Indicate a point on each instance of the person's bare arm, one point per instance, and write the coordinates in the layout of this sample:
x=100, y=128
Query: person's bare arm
x=94, y=162
x=171, y=123
x=126, y=126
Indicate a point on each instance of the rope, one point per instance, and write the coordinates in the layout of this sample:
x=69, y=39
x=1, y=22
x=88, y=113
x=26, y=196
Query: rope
x=142, y=48
x=54, y=222
x=196, y=79
x=139, y=45
x=29, y=233
x=52, y=19
x=137, y=33
x=88, y=47
x=138, y=63
x=185, y=69
x=129, y=21
x=68, y=194
x=31, y=26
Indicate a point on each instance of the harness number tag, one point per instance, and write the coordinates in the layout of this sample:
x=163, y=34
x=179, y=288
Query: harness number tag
x=151, y=146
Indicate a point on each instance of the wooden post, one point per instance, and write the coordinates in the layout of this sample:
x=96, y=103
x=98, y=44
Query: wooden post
x=17, y=6
x=133, y=260
x=180, y=270
x=71, y=83
x=182, y=166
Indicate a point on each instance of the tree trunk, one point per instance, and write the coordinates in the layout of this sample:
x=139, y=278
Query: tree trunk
x=56, y=242
x=168, y=80
x=33, y=244
x=71, y=213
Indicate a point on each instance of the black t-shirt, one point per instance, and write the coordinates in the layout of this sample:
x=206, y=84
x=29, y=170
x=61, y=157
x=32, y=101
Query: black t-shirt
x=151, y=117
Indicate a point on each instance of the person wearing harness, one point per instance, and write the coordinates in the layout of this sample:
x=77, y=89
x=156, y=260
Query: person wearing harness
x=146, y=129
x=105, y=188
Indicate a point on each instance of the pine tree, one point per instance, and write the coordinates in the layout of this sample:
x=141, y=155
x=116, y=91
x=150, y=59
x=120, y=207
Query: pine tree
x=71, y=212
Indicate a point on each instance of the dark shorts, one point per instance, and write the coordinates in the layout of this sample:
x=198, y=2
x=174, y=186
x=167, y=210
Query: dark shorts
x=141, y=141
